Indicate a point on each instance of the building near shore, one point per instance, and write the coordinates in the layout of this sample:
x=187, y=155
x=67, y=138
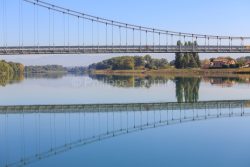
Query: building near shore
x=223, y=62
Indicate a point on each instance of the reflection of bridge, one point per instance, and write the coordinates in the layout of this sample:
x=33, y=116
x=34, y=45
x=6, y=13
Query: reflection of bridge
x=99, y=35
x=68, y=127
x=124, y=107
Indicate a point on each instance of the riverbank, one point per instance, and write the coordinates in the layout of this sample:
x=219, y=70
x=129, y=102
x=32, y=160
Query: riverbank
x=173, y=71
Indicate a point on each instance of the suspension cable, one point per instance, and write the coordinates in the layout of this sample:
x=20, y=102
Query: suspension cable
x=126, y=37
x=229, y=43
x=120, y=34
x=205, y=42
x=19, y=19
x=68, y=32
x=64, y=43
x=37, y=25
x=217, y=43
x=78, y=34
x=53, y=30
x=83, y=34
x=159, y=41
x=98, y=42
x=34, y=26
x=193, y=42
x=140, y=38
x=133, y=37
x=49, y=28
x=172, y=40
x=21, y=23
x=220, y=42
x=2, y=5
x=106, y=36
x=154, y=39
x=208, y=42
x=5, y=23
x=92, y=35
x=112, y=36
x=116, y=23
x=167, y=40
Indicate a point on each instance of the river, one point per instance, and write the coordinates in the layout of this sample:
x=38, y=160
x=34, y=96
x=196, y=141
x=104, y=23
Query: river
x=47, y=121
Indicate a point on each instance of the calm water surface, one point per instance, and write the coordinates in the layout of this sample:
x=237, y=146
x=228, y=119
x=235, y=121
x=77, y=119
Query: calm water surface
x=206, y=136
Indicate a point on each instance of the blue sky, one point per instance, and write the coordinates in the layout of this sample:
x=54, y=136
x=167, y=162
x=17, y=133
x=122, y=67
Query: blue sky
x=218, y=17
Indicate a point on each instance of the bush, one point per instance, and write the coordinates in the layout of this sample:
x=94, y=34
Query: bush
x=130, y=63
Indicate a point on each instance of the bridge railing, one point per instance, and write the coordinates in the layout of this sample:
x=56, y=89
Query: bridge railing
x=120, y=49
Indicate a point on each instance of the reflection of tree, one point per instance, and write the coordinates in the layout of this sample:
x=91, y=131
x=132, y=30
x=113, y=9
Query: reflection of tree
x=53, y=75
x=130, y=81
x=10, y=79
x=187, y=89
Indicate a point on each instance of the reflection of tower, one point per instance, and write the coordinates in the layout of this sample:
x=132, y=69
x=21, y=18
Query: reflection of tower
x=187, y=89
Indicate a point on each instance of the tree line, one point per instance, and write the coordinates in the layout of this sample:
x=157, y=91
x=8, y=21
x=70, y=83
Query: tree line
x=10, y=72
x=10, y=68
x=45, y=69
x=130, y=63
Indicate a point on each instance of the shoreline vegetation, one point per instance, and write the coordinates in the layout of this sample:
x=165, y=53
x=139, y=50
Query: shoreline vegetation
x=173, y=71
x=185, y=64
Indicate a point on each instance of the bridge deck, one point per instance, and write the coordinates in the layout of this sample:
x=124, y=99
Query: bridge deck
x=119, y=49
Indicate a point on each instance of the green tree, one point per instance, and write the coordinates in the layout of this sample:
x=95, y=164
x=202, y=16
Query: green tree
x=187, y=60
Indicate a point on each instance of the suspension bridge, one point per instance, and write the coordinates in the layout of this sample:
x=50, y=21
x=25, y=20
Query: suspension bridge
x=81, y=33
x=52, y=132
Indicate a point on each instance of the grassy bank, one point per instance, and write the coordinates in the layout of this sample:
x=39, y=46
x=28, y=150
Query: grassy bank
x=173, y=71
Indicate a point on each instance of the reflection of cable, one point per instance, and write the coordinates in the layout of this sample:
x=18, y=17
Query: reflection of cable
x=54, y=129
x=21, y=134
x=130, y=129
x=107, y=122
x=65, y=127
x=50, y=129
x=39, y=133
x=6, y=138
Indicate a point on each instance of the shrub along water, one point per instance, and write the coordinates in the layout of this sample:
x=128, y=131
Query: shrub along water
x=10, y=72
x=10, y=68
x=130, y=63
